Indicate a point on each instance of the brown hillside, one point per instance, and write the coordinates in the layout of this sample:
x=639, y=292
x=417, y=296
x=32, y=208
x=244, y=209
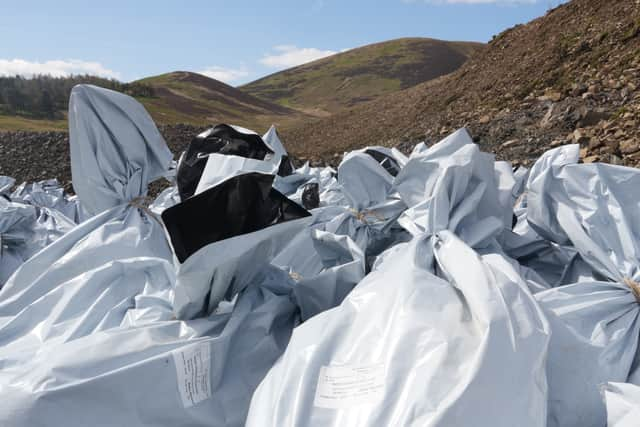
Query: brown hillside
x=571, y=75
x=242, y=101
x=185, y=97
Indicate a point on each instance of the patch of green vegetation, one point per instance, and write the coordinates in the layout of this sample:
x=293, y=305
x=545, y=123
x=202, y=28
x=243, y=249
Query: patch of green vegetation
x=527, y=88
x=13, y=123
x=619, y=113
x=632, y=32
x=567, y=42
x=163, y=113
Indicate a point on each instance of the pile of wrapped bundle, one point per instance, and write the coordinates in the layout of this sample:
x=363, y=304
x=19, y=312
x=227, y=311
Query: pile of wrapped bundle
x=441, y=288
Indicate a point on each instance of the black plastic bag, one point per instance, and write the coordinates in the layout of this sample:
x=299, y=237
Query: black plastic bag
x=240, y=205
x=222, y=139
x=389, y=163
x=311, y=195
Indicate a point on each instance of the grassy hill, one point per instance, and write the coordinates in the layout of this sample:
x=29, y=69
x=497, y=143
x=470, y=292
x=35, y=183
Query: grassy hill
x=330, y=84
x=286, y=99
x=14, y=123
x=185, y=97
x=178, y=97
x=569, y=76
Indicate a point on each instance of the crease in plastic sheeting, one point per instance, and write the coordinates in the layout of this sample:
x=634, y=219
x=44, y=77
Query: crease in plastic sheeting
x=538, y=185
x=623, y=404
x=445, y=147
x=364, y=181
x=137, y=360
x=452, y=186
x=325, y=267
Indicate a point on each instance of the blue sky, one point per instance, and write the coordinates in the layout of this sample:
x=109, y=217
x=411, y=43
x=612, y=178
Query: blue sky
x=234, y=41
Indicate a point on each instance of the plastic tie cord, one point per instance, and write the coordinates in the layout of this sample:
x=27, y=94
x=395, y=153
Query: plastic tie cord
x=142, y=203
x=295, y=276
x=635, y=288
x=362, y=215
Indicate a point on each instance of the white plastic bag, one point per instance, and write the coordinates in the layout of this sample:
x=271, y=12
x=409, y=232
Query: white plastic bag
x=81, y=282
x=409, y=348
x=163, y=372
x=596, y=322
x=452, y=186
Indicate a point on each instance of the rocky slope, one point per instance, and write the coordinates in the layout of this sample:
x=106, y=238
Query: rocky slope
x=33, y=156
x=569, y=76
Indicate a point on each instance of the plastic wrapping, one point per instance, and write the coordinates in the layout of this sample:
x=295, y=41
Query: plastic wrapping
x=439, y=289
x=452, y=186
x=155, y=373
x=32, y=216
x=85, y=281
x=425, y=351
x=596, y=322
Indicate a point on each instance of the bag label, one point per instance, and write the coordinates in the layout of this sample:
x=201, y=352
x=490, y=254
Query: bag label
x=349, y=385
x=192, y=368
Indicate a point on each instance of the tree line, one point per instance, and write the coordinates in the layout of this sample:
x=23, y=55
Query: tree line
x=46, y=97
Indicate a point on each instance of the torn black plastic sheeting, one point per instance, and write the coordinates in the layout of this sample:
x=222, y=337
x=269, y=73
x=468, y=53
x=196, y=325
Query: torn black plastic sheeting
x=240, y=205
x=389, y=163
x=221, y=139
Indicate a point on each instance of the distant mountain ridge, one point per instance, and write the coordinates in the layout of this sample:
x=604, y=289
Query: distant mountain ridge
x=327, y=85
x=186, y=97
x=171, y=98
x=286, y=98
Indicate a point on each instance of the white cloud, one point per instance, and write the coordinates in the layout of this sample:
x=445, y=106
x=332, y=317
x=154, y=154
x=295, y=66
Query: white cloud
x=226, y=75
x=289, y=56
x=475, y=1
x=55, y=68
